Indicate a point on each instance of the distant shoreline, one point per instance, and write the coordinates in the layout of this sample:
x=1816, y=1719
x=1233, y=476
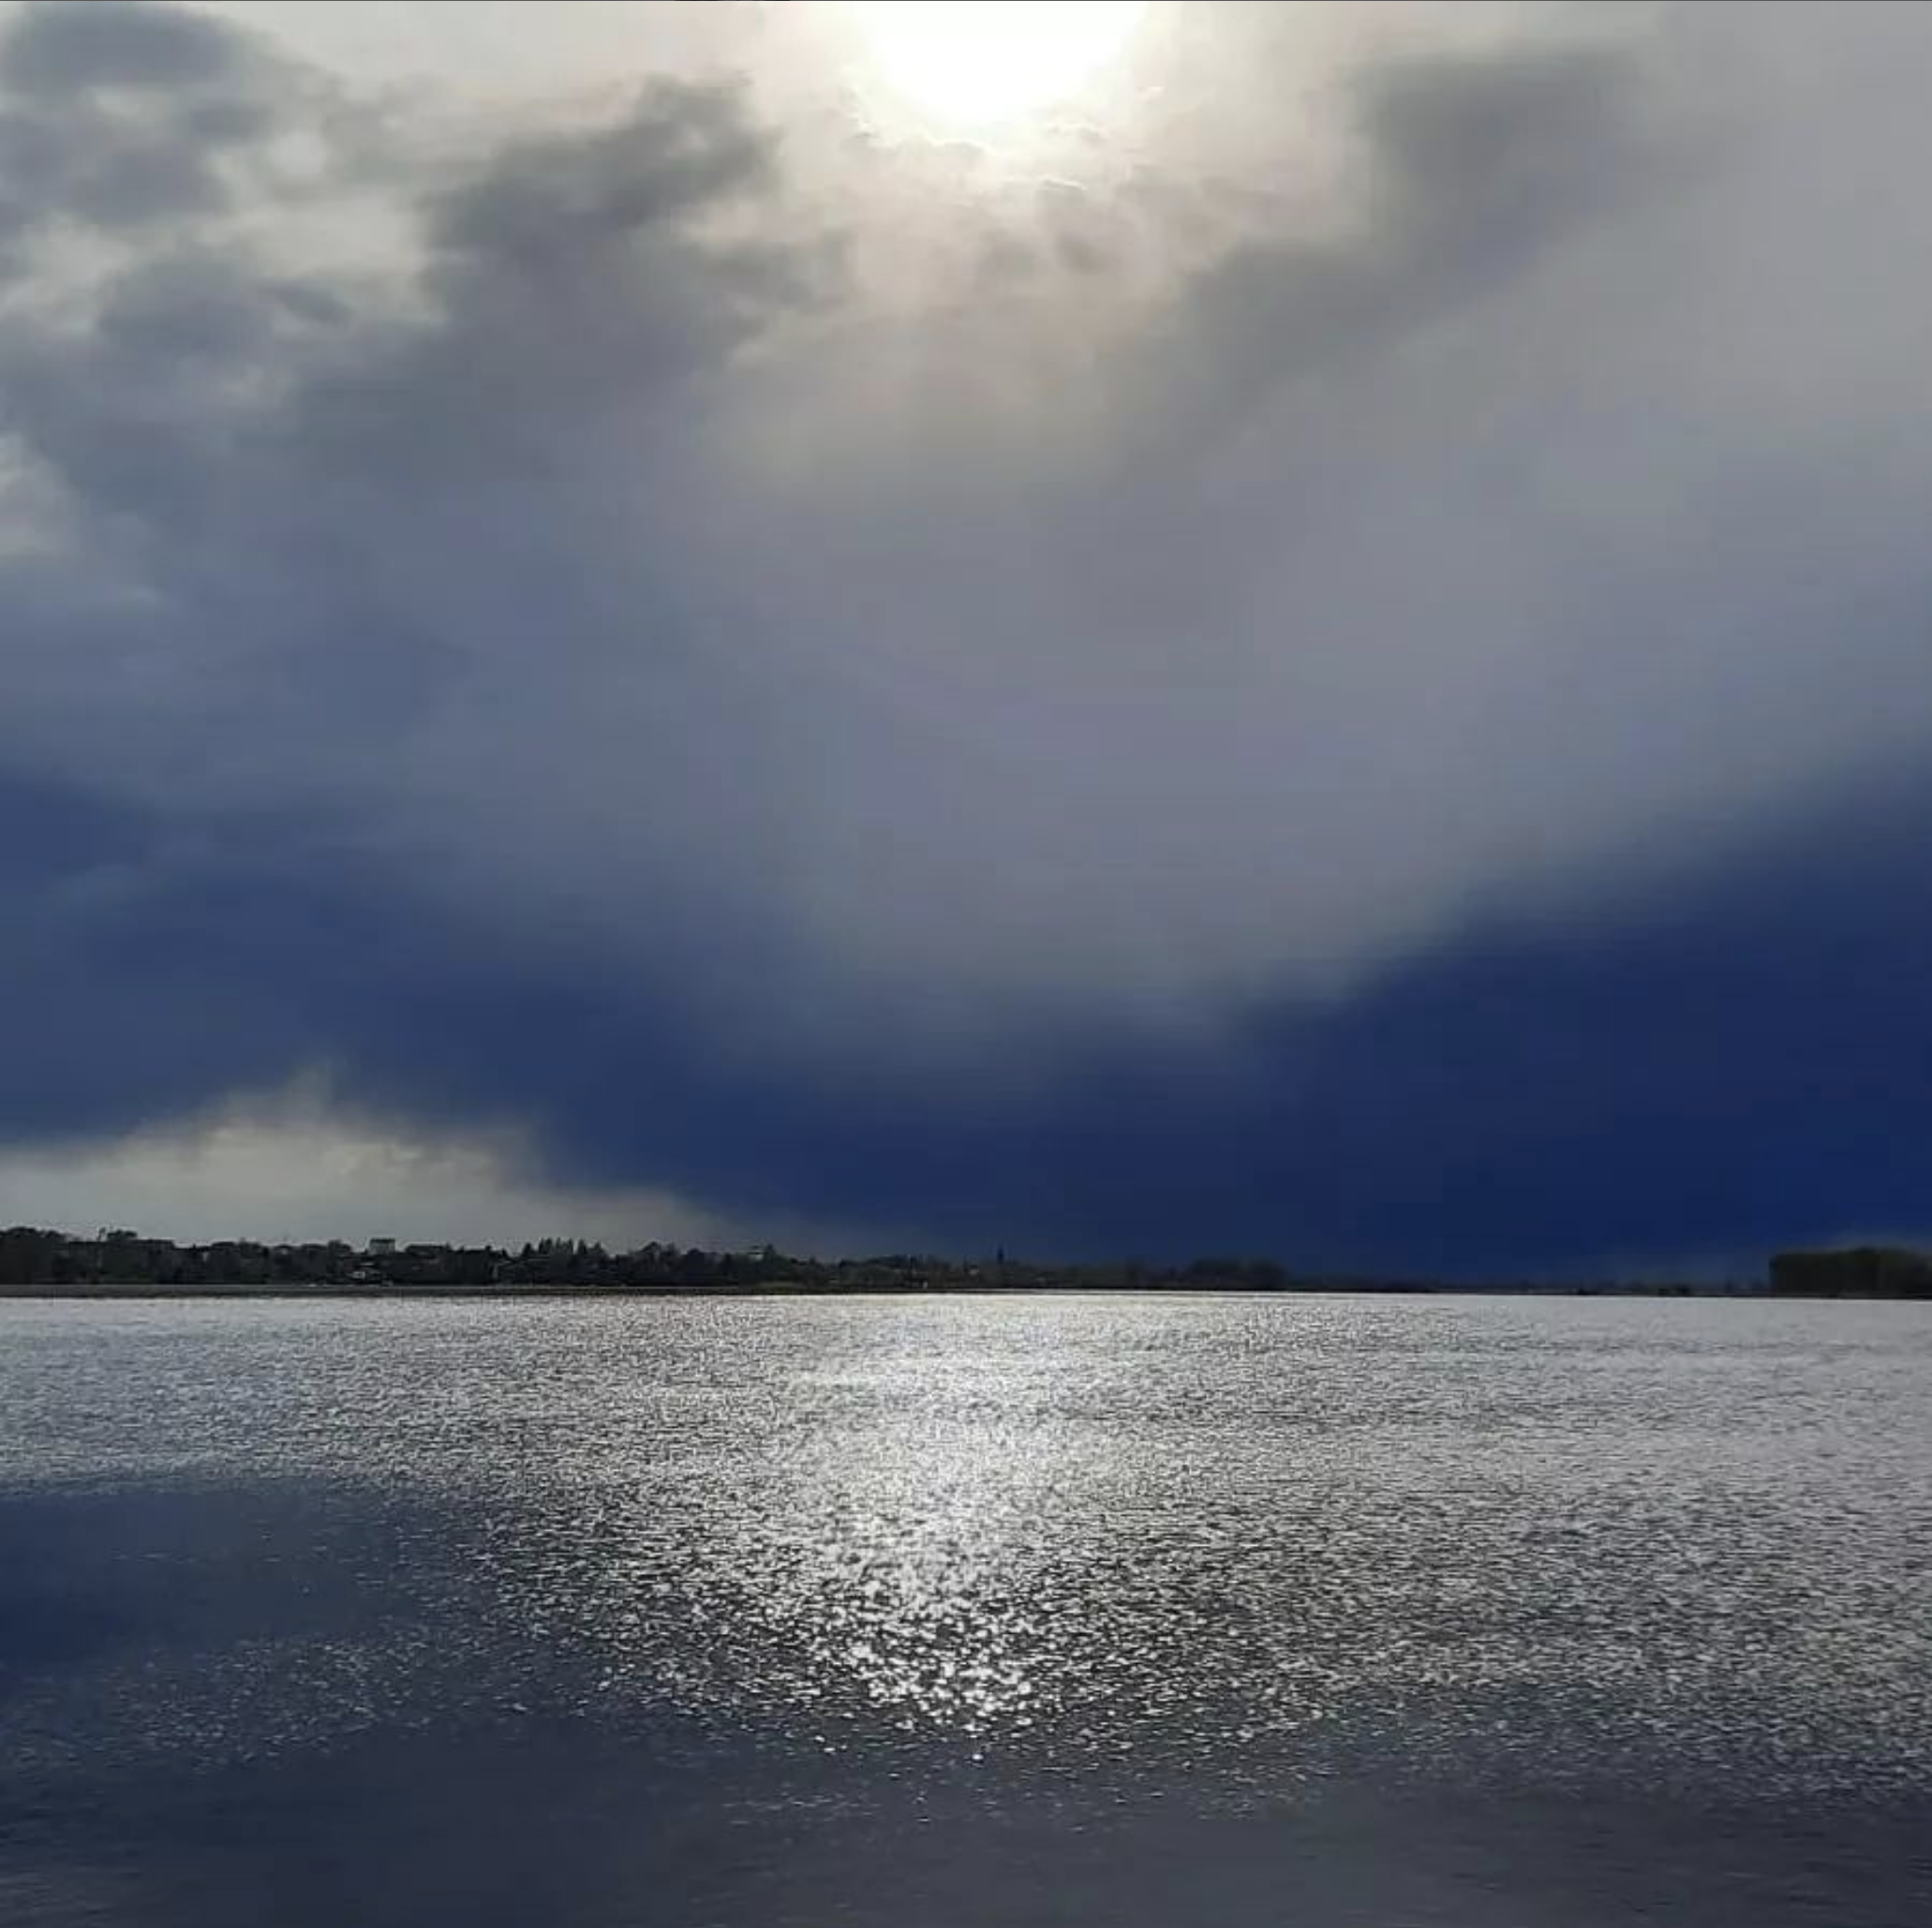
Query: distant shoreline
x=40, y=1263
x=104, y=1289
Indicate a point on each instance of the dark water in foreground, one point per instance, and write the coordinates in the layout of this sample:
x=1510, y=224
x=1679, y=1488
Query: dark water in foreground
x=946, y=1612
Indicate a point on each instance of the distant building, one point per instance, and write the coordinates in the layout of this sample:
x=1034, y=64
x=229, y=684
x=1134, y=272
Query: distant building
x=382, y=1248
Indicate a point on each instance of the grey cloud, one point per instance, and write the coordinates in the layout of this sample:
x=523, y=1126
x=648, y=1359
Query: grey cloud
x=124, y=118
x=1472, y=169
x=545, y=204
x=1081, y=254
x=1396, y=569
x=135, y=178
x=569, y=278
x=101, y=168
x=190, y=308
x=623, y=576
x=59, y=48
x=1485, y=155
x=396, y=503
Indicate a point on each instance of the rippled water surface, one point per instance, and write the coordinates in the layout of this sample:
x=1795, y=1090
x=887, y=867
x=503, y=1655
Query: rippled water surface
x=950, y=1611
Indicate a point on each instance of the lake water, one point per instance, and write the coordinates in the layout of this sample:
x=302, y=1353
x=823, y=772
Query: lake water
x=934, y=1612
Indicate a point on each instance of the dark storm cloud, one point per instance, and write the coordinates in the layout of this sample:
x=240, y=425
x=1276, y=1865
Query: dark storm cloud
x=124, y=991
x=1307, y=748
x=1703, y=1077
x=563, y=280
x=102, y=169
x=286, y=490
x=120, y=116
x=549, y=203
x=56, y=50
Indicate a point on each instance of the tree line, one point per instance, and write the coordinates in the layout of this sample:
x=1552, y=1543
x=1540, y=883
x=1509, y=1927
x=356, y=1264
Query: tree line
x=33, y=1255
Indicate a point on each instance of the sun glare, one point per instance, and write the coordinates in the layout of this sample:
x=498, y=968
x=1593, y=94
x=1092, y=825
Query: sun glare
x=970, y=63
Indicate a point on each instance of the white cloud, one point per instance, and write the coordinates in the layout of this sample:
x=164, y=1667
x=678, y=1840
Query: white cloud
x=297, y=1167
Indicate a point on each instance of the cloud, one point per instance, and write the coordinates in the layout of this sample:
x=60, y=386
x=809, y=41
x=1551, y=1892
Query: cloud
x=295, y=1165
x=120, y=117
x=1356, y=581
x=710, y=629
x=54, y=49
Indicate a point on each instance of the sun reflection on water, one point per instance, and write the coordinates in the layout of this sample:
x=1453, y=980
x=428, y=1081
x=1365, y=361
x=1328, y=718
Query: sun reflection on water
x=1164, y=1537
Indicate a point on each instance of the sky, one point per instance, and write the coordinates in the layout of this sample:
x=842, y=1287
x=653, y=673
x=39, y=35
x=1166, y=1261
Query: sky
x=1111, y=630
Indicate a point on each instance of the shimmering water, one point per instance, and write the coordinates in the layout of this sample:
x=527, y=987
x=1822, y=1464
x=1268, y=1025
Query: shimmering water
x=953, y=1611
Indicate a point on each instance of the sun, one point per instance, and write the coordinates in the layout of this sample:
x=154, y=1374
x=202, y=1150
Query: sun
x=978, y=63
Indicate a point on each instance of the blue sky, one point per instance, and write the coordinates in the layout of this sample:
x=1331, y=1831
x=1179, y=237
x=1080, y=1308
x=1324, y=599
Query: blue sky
x=660, y=620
